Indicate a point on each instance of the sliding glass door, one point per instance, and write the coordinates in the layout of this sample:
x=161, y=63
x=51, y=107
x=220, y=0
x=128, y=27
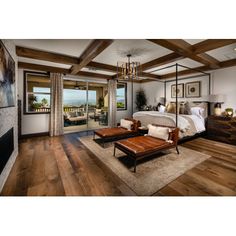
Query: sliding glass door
x=85, y=105
x=97, y=105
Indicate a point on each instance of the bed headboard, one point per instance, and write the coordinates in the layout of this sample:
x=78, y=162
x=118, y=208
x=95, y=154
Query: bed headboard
x=203, y=104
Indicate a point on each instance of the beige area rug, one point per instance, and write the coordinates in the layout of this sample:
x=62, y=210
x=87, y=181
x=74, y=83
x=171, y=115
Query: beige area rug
x=152, y=173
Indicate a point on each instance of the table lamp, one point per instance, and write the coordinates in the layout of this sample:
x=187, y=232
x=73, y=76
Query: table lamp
x=218, y=99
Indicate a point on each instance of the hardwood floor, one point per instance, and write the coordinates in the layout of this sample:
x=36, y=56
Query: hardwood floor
x=61, y=166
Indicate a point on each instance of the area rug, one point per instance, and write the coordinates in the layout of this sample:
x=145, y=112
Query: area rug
x=152, y=173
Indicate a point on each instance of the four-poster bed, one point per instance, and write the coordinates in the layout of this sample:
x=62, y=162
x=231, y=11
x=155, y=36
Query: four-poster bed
x=190, y=123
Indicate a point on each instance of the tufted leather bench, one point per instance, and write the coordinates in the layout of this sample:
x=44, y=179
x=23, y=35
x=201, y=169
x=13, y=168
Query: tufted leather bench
x=143, y=146
x=118, y=132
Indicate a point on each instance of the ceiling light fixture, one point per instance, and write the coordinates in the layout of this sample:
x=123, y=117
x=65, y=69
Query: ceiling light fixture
x=234, y=49
x=127, y=70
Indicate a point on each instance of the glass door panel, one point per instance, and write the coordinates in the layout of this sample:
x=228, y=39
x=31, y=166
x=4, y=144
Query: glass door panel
x=97, y=105
x=75, y=106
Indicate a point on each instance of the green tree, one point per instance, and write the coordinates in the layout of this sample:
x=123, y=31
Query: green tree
x=44, y=101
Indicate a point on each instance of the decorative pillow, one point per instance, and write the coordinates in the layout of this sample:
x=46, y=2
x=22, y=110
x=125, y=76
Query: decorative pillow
x=72, y=114
x=187, y=109
x=66, y=114
x=198, y=111
x=182, y=108
x=171, y=108
x=162, y=108
x=204, y=106
x=127, y=124
x=158, y=132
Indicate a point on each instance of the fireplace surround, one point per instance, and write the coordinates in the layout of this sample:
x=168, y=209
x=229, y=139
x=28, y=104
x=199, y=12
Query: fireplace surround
x=6, y=147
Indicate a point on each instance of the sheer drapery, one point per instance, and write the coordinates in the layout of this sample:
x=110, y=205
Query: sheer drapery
x=112, y=84
x=56, y=115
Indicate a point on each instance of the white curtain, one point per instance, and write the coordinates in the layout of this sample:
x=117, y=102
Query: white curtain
x=56, y=115
x=112, y=84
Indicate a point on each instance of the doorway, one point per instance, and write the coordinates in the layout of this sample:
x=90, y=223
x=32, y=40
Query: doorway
x=85, y=105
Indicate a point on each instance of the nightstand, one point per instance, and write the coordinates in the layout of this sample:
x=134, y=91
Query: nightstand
x=222, y=128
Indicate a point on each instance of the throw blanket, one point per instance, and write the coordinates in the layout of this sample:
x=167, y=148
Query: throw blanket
x=183, y=123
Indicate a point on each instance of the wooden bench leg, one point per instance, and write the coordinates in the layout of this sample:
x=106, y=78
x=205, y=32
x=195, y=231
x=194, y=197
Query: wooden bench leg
x=114, y=153
x=135, y=163
x=177, y=150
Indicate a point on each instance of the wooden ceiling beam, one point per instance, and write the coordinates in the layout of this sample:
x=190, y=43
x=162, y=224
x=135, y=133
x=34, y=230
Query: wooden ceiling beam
x=161, y=61
x=185, y=49
x=63, y=59
x=211, y=44
x=60, y=58
x=93, y=50
x=31, y=66
x=223, y=64
x=101, y=66
x=111, y=68
x=45, y=56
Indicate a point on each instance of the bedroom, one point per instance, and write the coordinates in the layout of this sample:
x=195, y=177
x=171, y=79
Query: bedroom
x=117, y=117
x=100, y=98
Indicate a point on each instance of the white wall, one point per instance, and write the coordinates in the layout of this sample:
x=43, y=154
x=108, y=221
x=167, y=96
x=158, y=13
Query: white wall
x=36, y=123
x=204, y=89
x=8, y=119
x=224, y=82
x=128, y=111
x=153, y=90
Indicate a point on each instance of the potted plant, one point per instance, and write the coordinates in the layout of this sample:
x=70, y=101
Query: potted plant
x=100, y=102
x=141, y=99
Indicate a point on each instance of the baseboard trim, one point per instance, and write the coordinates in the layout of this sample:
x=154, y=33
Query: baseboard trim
x=23, y=136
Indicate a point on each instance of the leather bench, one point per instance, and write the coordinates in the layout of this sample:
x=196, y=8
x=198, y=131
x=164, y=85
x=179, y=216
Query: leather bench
x=118, y=132
x=143, y=146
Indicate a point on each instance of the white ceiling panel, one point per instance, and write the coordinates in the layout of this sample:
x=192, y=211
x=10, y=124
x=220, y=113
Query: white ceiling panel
x=141, y=50
x=71, y=47
x=185, y=62
x=224, y=53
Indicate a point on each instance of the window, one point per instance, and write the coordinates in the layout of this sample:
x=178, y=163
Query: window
x=37, y=93
x=121, y=96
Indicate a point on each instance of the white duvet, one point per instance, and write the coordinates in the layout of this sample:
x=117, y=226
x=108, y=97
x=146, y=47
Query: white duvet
x=199, y=122
x=183, y=123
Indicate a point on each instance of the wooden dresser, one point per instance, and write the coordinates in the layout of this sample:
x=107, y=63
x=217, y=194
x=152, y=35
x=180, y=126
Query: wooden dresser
x=221, y=128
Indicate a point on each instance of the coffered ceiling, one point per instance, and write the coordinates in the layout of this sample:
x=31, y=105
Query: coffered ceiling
x=98, y=58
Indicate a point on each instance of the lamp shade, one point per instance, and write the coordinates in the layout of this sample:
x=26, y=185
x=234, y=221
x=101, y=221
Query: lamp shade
x=217, y=98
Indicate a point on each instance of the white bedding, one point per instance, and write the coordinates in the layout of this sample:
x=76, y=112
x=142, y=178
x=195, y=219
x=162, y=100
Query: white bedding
x=185, y=122
x=198, y=121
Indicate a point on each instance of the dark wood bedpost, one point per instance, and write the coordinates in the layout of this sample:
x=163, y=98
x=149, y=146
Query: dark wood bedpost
x=176, y=96
x=164, y=93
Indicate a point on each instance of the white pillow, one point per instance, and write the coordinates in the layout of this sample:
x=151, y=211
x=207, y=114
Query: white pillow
x=162, y=108
x=127, y=124
x=198, y=111
x=158, y=132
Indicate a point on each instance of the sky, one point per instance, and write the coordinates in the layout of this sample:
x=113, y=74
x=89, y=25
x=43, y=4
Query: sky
x=73, y=96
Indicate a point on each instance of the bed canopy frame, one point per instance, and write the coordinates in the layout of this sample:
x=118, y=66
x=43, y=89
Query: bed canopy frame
x=177, y=78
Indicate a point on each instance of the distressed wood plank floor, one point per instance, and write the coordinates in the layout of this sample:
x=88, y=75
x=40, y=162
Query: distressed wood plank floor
x=62, y=166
